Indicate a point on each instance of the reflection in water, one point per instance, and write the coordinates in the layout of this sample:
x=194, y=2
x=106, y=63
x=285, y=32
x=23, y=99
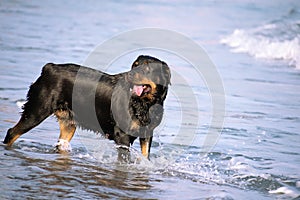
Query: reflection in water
x=68, y=176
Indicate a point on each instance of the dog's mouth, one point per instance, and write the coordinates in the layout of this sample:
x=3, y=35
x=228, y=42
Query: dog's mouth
x=140, y=90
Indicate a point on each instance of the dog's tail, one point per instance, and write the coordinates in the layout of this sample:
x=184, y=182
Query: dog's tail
x=38, y=92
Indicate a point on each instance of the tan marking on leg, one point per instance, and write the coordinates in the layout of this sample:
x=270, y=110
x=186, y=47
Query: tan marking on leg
x=16, y=135
x=66, y=125
x=67, y=130
x=12, y=140
x=144, y=147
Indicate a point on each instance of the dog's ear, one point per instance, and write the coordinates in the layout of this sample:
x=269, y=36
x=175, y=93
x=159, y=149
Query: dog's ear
x=167, y=73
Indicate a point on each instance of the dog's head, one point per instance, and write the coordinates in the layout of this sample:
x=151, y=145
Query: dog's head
x=149, y=78
x=137, y=100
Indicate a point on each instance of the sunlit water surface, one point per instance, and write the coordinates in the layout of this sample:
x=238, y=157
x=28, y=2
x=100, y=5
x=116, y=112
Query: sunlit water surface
x=254, y=46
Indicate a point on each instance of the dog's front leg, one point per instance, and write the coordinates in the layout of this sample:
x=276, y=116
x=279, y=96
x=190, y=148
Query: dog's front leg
x=123, y=142
x=146, y=145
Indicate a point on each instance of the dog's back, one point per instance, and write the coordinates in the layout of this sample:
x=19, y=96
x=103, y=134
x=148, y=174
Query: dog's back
x=54, y=92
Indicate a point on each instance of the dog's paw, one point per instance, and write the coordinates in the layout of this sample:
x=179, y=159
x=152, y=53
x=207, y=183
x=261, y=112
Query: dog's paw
x=63, y=146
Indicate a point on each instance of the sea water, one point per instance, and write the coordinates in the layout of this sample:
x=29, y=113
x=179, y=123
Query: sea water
x=255, y=48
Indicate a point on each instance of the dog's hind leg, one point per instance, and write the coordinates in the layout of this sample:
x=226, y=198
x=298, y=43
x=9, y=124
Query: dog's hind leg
x=67, y=129
x=37, y=108
x=26, y=123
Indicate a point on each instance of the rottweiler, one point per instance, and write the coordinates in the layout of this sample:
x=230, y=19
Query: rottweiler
x=122, y=107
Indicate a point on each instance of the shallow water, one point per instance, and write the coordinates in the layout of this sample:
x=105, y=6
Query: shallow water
x=255, y=47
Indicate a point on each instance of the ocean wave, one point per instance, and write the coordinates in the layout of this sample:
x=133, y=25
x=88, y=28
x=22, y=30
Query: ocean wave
x=276, y=41
x=286, y=192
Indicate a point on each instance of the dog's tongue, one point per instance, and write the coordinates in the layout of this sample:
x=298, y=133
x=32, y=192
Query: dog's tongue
x=138, y=90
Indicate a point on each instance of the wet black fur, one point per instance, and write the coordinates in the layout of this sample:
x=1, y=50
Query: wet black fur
x=54, y=91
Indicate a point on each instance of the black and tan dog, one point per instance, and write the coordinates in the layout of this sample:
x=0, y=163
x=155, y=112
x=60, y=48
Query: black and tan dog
x=123, y=107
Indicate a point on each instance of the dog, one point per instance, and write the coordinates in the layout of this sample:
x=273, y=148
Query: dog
x=122, y=107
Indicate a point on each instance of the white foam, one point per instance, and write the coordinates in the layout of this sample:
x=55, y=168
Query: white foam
x=259, y=46
x=63, y=145
x=285, y=191
x=20, y=103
